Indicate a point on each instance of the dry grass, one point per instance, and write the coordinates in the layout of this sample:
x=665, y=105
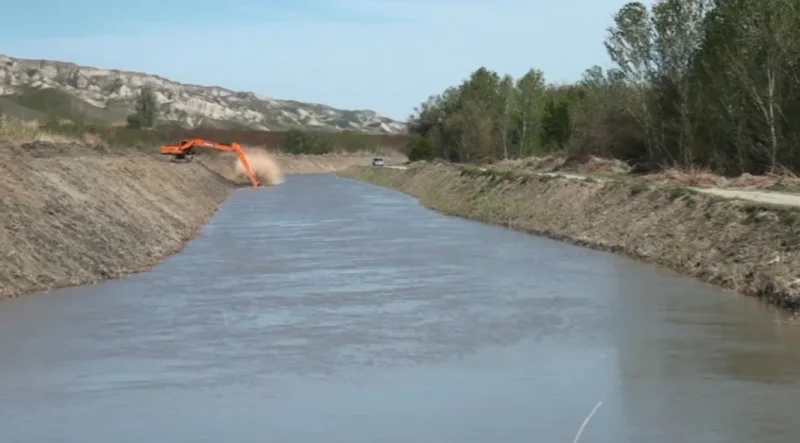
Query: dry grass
x=692, y=177
x=20, y=131
x=704, y=178
x=546, y=163
x=785, y=182
x=554, y=163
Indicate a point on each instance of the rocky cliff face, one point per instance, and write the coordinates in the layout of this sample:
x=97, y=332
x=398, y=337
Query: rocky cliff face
x=109, y=95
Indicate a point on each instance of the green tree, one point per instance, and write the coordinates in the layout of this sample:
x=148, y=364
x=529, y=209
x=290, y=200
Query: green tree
x=530, y=91
x=428, y=123
x=556, y=128
x=678, y=27
x=763, y=62
x=696, y=83
x=146, y=111
x=351, y=141
x=508, y=95
x=629, y=44
x=307, y=142
x=473, y=132
x=420, y=148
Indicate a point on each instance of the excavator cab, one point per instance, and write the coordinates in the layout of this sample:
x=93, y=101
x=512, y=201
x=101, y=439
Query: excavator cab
x=185, y=154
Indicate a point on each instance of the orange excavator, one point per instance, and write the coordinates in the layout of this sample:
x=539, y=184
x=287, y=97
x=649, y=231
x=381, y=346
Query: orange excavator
x=186, y=148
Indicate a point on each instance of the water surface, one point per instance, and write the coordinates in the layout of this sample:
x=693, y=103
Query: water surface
x=328, y=310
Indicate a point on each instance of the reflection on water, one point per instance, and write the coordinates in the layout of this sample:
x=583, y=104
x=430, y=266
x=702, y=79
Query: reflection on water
x=331, y=310
x=720, y=365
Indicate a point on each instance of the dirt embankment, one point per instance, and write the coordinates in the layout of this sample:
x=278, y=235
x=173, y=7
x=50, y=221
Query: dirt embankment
x=74, y=215
x=746, y=246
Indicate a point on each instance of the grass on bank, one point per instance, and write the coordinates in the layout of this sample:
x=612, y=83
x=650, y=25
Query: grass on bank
x=19, y=131
x=28, y=131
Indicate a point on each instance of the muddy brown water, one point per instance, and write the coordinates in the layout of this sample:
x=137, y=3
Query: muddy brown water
x=328, y=310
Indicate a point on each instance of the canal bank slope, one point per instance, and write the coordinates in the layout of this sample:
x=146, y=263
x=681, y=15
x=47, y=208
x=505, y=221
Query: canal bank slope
x=74, y=214
x=746, y=246
x=71, y=214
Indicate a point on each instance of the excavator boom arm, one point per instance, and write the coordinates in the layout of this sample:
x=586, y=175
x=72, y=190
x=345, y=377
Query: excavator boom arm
x=187, y=146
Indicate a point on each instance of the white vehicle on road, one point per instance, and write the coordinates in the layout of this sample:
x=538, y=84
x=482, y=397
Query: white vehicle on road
x=378, y=162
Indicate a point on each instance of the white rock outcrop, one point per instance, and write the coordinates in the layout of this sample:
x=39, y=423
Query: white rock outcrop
x=189, y=105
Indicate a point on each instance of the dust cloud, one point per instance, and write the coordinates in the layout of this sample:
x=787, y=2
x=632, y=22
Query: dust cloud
x=264, y=166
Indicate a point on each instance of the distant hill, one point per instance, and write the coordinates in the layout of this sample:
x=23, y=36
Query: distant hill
x=41, y=89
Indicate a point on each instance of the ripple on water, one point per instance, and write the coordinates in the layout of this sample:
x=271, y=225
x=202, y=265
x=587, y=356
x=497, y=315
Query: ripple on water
x=330, y=302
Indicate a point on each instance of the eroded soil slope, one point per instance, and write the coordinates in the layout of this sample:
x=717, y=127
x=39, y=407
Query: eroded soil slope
x=72, y=215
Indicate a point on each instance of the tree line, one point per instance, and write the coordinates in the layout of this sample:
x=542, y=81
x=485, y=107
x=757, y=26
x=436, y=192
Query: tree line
x=298, y=141
x=695, y=83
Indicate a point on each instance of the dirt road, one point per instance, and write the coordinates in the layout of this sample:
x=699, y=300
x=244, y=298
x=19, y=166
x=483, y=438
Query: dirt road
x=774, y=198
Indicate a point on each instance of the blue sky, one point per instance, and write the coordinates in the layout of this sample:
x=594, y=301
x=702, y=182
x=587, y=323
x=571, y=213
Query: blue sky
x=385, y=55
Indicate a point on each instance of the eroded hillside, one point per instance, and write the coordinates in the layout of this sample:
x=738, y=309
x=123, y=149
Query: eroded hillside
x=33, y=88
